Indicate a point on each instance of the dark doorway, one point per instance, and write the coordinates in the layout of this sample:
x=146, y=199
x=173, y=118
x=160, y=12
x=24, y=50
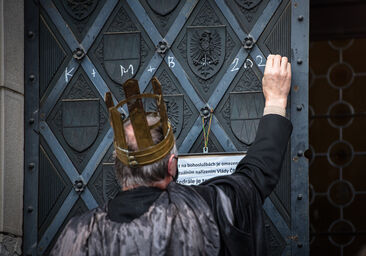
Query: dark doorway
x=337, y=123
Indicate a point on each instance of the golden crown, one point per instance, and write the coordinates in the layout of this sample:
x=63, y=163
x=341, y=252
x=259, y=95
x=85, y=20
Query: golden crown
x=147, y=152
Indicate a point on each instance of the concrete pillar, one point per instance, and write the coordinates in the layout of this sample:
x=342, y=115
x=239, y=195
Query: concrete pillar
x=11, y=125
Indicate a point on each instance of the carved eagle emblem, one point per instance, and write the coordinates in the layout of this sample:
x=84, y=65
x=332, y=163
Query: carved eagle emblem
x=206, y=50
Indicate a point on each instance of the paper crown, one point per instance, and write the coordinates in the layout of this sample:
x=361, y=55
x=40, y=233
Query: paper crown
x=147, y=152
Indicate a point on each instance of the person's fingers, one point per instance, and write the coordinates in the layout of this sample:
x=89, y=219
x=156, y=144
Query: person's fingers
x=289, y=70
x=277, y=61
x=270, y=60
x=269, y=63
x=284, y=62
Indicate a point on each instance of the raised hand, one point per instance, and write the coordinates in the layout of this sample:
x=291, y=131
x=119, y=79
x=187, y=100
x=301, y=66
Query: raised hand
x=276, y=81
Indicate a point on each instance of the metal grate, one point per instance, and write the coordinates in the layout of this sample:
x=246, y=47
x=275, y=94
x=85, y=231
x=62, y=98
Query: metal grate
x=337, y=120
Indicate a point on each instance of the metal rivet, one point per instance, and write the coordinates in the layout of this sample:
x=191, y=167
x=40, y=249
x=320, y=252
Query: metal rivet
x=299, y=107
x=30, y=34
x=78, y=53
x=79, y=185
x=30, y=209
x=31, y=165
x=299, y=197
x=249, y=42
x=162, y=47
x=300, y=18
x=31, y=120
x=205, y=112
x=300, y=153
x=299, y=245
x=32, y=77
x=299, y=61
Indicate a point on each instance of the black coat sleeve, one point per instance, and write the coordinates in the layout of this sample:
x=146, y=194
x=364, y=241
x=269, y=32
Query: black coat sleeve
x=264, y=158
x=254, y=179
x=262, y=164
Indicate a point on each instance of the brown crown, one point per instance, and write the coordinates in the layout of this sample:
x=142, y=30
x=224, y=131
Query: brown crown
x=147, y=152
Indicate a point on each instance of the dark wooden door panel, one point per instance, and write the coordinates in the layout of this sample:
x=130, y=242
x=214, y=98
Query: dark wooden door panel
x=207, y=54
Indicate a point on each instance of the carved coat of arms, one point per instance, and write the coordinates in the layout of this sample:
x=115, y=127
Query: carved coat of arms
x=121, y=55
x=248, y=4
x=80, y=122
x=175, y=107
x=79, y=9
x=206, y=50
x=246, y=109
x=110, y=183
x=163, y=7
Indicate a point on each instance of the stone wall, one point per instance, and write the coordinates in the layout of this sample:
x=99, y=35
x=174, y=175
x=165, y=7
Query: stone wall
x=11, y=125
x=10, y=245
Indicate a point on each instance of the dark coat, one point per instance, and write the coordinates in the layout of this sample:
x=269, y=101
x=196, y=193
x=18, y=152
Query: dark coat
x=254, y=179
x=178, y=223
x=230, y=205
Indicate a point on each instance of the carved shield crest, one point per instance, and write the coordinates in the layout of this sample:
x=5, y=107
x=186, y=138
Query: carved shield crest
x=121, y=55
x=248, y=4
x=174, y=105
x=110, y=183
x=175, y=109
x=163, y=7
x=206, y=50
x=80, y=122
x=246, y=109
x=79, y=9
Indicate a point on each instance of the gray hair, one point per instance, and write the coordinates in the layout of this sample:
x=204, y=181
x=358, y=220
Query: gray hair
x=143, y=175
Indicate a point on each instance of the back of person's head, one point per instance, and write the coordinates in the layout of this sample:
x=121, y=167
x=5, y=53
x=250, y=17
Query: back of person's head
x=143, y=140
x=146, y=175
